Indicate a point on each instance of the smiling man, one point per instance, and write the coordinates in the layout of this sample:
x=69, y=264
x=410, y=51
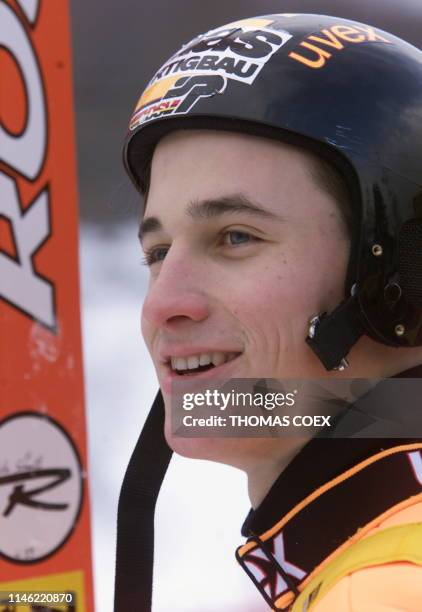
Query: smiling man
x=283, y=232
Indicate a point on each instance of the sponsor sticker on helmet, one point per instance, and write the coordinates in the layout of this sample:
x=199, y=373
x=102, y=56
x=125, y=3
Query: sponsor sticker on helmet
x=204, y=67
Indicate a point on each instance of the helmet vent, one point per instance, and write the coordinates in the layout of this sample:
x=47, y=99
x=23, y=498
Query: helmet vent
x=410, y=261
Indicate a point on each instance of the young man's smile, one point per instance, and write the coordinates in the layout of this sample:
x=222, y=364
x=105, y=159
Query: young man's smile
x=187, y=364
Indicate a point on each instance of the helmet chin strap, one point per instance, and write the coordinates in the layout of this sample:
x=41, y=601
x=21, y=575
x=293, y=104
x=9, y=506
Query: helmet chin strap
x=135, y=523
x=331, y=336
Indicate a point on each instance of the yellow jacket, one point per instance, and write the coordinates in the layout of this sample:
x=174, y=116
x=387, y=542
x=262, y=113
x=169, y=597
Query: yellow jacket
x=380, y=572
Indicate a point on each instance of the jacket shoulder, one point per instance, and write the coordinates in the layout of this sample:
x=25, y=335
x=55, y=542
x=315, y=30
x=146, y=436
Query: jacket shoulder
x=394, y=586
x=382, y=570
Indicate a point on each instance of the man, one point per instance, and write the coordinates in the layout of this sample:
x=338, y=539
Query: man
x=280, y=161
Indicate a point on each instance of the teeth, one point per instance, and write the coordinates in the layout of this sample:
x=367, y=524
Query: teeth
x=218, y=358
x=204, y=359
x=179, y=363
x=194, y=361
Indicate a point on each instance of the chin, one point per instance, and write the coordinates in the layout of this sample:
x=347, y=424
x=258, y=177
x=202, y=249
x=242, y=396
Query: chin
x=230, y=451
x=194, y=448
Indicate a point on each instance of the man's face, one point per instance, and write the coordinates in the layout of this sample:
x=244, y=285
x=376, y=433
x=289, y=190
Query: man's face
x=243, y=247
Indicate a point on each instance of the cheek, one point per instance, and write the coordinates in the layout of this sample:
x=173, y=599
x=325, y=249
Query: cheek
x=275, y=309
x=275, y=297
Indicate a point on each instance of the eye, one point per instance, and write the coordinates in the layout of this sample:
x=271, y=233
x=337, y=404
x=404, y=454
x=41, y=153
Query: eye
x=154, y=255
x=237, y=237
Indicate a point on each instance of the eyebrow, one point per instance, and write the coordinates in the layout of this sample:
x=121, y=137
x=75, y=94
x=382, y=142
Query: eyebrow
x=215, y=207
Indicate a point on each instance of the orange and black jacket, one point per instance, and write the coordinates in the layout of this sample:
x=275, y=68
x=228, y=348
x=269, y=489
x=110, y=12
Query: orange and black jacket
x=341, y=528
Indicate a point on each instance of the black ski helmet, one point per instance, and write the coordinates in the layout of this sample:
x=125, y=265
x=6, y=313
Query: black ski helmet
x=351, y=94
x=347, y=92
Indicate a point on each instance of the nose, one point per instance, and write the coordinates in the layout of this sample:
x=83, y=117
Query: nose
x=177, y=295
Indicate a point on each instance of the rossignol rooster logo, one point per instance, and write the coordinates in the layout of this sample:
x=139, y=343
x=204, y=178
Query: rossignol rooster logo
x=203, y=67
x=41, y=487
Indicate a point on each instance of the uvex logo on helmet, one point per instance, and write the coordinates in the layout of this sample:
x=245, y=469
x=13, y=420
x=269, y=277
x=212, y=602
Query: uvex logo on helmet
x=331, y=40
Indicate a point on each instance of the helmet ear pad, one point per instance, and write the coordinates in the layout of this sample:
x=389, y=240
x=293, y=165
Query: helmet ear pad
x=410, y=261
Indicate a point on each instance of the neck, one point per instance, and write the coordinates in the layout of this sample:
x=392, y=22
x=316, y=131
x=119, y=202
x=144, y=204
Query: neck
x=263, y=474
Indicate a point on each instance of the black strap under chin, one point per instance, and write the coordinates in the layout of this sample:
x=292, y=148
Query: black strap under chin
x=336, y=333
x=135, y=523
